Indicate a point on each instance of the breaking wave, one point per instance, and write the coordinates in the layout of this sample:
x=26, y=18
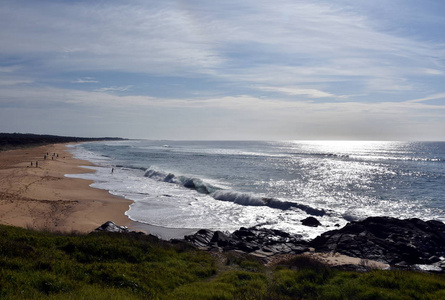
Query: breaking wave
x=253, y=200
x=188, y=182
x=229, y=196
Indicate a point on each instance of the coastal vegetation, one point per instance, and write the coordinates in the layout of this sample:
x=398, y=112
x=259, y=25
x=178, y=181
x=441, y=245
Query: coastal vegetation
x=101, y=265
x=17, y=140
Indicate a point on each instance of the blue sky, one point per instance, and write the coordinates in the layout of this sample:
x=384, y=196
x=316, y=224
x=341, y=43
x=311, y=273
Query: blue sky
x=264, y=70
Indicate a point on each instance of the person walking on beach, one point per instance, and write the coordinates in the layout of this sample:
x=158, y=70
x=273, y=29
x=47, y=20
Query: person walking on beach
x=37, y=164
x=112, y=170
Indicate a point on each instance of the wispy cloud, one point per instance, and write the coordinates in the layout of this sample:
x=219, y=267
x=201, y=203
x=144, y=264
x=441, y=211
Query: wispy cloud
x=431, y=97
x=85, y=80
x=12, y=81
x=115, y=89
x=311, y=93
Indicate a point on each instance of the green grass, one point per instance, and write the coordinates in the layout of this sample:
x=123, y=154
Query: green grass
x=43, y=265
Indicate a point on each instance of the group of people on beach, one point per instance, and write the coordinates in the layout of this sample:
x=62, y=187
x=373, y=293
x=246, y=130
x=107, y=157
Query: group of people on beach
x=54, y=155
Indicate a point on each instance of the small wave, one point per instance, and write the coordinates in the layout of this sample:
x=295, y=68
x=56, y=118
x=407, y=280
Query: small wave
x=394, y=158
x=188, y=182
x=423, y=159
x=320, y=154
x=252, y=200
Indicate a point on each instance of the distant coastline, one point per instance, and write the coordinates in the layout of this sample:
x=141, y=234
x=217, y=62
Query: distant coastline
x=9, y=141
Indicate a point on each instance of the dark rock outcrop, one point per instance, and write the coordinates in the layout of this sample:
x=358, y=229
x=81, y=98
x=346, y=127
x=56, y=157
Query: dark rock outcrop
x=389, y=240
x=257, y=241
x=403, y=244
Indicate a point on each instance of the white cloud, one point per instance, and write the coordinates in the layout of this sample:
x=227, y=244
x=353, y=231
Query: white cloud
x=311, y=93
x=431, y=97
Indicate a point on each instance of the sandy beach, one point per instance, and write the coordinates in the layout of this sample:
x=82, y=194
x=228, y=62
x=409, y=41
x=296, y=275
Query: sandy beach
x=41, y=197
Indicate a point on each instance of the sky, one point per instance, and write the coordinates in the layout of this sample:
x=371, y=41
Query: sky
x=224, y=70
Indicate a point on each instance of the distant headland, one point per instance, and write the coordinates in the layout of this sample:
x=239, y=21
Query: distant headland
x=16, y=140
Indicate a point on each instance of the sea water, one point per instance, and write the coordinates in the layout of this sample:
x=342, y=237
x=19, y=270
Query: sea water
x=224, y=185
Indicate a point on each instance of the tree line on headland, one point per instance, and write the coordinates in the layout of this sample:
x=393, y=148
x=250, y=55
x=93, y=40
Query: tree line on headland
x=16, y=140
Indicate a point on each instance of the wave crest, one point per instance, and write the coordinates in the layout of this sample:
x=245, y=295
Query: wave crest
x=230, y=196
x=252, y=200
x=188, y=182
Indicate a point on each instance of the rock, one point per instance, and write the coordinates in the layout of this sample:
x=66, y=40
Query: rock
x=264, y=242
x=390, y=240
x=220, y=239
x=311, y=222
x=201, y=238
x=110, y=226
x=247, y=247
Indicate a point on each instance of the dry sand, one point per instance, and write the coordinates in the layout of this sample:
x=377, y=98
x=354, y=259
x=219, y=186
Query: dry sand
x=43, y=198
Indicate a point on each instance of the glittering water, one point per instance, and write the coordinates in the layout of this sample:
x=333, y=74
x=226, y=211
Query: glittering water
x=226, y=185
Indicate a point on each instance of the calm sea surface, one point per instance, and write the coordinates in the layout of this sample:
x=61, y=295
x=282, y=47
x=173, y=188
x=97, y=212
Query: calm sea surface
x=226, y=185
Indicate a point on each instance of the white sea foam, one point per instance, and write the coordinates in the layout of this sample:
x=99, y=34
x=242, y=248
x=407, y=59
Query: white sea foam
x=168, y=205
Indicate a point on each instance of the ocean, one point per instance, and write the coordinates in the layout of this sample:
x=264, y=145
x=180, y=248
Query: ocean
x=225, y=185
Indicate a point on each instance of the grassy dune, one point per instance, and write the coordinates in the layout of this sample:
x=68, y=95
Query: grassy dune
x=43, y=265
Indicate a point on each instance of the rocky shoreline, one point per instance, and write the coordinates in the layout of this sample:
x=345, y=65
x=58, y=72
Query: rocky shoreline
x=400, y=244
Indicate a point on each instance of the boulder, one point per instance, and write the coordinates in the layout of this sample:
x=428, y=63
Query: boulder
x=311, y=222
x=110, y=226
x=201, y=238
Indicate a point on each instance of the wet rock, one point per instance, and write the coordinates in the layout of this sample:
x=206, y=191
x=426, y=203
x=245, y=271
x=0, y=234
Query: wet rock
x=220, y=239
x=201, y=238
x=390, y=240
x=311, y=222
x=264, y=242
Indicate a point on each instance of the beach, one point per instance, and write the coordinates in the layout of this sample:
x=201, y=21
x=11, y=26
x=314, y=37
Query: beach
x=41, y=197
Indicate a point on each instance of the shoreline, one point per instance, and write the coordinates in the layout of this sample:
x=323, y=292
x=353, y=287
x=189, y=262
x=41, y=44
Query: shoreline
x=41, y=197
x=164, y=233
